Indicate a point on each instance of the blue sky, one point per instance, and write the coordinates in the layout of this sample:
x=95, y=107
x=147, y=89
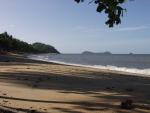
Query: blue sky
x=73, y=28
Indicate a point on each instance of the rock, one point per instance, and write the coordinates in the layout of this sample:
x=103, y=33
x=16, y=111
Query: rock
x=129, y=89
x=127, y=104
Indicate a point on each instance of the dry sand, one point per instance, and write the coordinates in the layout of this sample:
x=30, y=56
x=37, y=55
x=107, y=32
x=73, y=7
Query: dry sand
x=28, y=86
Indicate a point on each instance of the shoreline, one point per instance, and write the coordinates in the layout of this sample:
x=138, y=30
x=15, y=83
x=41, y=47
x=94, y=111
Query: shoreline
x=43, y=87
x=118, y=70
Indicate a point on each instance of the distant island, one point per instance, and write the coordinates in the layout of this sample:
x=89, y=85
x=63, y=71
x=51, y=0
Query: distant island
x=10, y=44
x=89, y=52
x=131, y=53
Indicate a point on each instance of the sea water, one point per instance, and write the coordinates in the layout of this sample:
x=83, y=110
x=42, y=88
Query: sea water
x=131, y=63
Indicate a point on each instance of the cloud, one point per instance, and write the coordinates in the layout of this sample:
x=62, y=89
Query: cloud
x=137, y=28
x=87, y=29
x=95, y=31
x=91, y=30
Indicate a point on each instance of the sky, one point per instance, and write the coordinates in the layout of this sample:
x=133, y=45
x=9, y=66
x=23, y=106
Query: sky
x=74, y=28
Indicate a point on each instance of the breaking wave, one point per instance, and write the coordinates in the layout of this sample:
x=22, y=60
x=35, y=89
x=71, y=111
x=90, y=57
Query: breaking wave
x=141, y=72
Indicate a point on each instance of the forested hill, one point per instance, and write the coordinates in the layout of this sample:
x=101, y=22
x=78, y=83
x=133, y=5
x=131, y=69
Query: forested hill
x=10, y=44
x=44, y=48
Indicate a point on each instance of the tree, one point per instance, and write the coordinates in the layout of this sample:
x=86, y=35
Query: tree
x=44, y=48
x=10, y=44
x=110, y=7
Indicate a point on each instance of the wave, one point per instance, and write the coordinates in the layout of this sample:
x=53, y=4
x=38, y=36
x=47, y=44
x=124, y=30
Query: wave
x=140, y=72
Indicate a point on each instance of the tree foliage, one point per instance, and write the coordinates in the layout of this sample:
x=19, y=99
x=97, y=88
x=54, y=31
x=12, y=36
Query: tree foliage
x=10, y=44
x=110, y=7
x=44, y=48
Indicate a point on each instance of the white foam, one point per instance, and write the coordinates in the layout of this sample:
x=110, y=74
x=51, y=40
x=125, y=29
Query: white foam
x=140, y=72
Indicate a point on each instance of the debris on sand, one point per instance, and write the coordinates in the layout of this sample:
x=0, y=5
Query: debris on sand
x=127, y=104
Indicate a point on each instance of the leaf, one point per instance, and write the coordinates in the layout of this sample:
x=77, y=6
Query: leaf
x=97, y=1
x=100, y=7
x=112, y=8
x=77, y=1
x=121, y=1
x=118, y=21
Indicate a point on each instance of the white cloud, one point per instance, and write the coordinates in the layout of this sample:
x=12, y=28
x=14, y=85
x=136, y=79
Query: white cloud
x=87, y=29
x=93, y=30
x=137, y=28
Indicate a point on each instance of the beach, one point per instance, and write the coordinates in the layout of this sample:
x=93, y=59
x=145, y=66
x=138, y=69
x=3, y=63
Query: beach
x=28, y=86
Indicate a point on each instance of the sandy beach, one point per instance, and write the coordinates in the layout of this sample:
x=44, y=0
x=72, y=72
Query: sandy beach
x=28, y=86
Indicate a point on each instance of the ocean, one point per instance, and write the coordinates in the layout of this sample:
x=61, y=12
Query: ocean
x=131, y=63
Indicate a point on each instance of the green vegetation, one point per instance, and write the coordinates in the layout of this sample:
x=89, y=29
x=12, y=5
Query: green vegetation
x=10, y=44
x=44, y=48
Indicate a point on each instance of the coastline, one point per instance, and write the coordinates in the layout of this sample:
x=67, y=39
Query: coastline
x=112, y=69
x=52, y=87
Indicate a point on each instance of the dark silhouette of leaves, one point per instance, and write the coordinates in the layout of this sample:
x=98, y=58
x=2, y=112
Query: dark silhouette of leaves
x=112, y=8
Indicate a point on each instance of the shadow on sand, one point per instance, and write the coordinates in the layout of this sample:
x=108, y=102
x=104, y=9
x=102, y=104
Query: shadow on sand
x=83, y=85
x=134, y=86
